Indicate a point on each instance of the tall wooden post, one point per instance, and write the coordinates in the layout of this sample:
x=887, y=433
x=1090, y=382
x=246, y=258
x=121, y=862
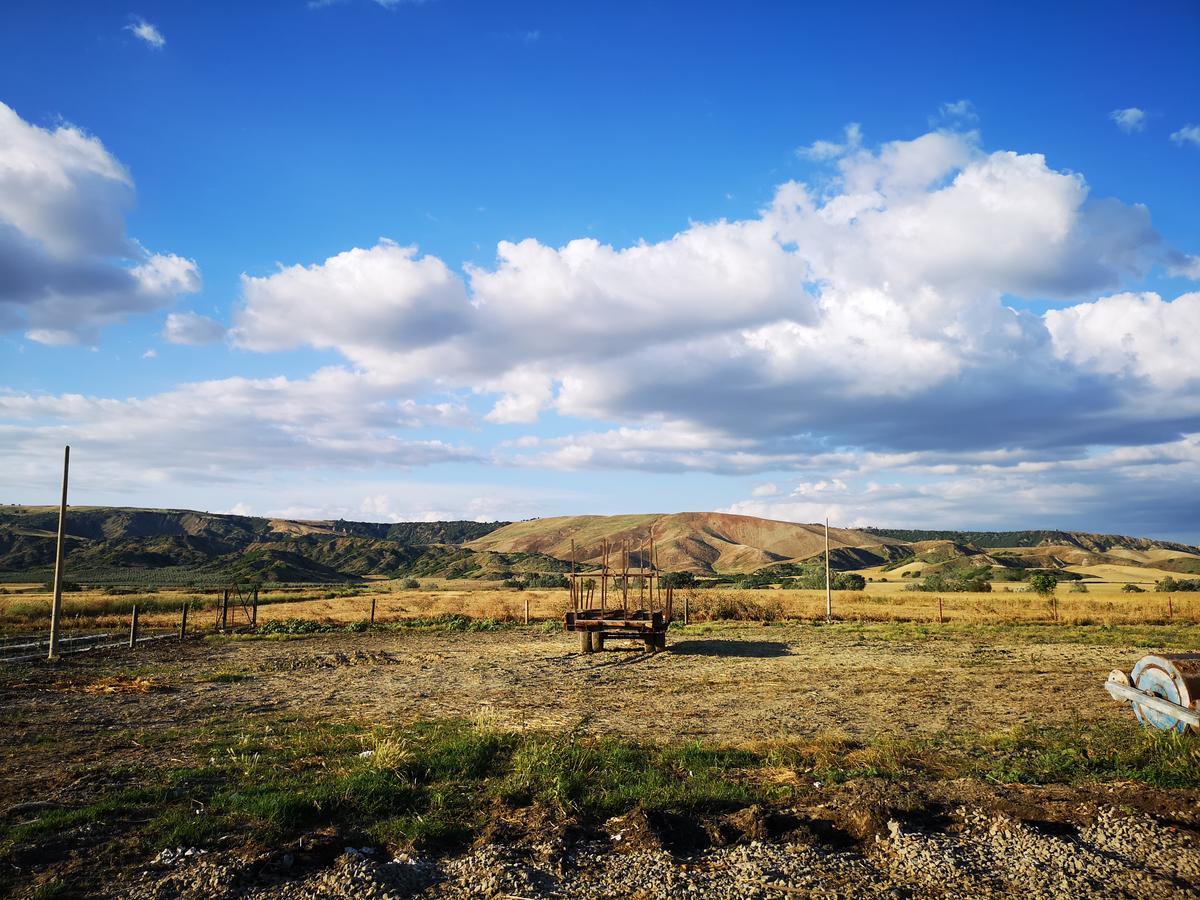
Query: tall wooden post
x=56, y=607
x=183, y=622
x=372, y=610
x=828, y=583
x=576, y=597
x=133, y=627
x=225, y=610
x=526, y=609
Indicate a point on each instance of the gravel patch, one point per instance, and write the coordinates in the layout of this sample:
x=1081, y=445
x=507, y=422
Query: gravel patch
x=978, y=855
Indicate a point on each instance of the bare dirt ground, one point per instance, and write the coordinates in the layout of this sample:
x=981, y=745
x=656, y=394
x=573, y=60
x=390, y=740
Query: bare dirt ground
x=729, y=685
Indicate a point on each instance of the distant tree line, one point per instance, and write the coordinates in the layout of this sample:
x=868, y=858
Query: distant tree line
x=1172, y=585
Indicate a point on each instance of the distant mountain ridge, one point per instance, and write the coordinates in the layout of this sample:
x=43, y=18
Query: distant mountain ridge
x=984, y=540
x=113, y=545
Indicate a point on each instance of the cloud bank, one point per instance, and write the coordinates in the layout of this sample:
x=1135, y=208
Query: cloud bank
x=875, y=335
x=67, y=268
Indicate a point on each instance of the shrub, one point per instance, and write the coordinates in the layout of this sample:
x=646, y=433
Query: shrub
x=1043, y=584
x=1132, y=589
x=411, y=584
x=1078, y=587
x=949, y=584
x=68, y=587
x=677, y=579
x=1170, y=584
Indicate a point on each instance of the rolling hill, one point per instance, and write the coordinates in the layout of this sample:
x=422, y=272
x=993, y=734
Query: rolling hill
x=698, y=542
x=162, y=546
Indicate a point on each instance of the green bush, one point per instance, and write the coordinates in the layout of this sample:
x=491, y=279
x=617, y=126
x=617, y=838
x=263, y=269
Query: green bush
x=677, y=579
x=1043, y=584
x=68, y=587
x=949, y=584
x=1171, y=585
x=411, y=584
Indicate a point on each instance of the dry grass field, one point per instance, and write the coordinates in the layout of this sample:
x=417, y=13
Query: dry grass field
x=26, y=607
x=451, y=725
x=273, y=752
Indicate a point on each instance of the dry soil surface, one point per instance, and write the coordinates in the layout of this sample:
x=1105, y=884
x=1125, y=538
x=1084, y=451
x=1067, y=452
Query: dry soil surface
x=732, y=685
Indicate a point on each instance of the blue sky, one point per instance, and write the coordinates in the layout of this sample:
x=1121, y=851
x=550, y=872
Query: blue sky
x=972, y=317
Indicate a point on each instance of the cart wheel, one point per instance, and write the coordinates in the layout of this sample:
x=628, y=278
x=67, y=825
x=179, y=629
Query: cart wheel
x=1174, y=678
x=585, y=641
x=598, y=641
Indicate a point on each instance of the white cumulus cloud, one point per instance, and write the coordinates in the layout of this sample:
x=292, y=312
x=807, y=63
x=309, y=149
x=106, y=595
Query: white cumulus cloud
x=67, y=268
x=1188, y=134
x=1130, y=119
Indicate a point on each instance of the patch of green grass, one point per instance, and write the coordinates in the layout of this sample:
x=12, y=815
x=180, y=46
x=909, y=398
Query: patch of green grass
x=438, y=783
x=48, y=890
x=223, y=677
x=1135, y=636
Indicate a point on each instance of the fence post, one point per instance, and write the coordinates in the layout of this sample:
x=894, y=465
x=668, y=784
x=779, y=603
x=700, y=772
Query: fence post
x=1054, y=605
x=225, y=610
x=526, y=609
x=254, y=609
x=133, y=627
x=941, y=616
x=60, y=550
x=372, y=610
x=1170, y=608
x=183, y=622
x=686, y=610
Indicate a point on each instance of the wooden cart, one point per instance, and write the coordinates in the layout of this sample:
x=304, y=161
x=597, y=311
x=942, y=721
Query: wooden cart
x=620, y=602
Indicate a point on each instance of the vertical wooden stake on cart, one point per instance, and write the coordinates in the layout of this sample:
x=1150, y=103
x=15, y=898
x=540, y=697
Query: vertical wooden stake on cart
x=625, y=578
x=654, y=585
x=574, y=584
x=642, y=580
x=604, y=581
x=60, y=549
x=828, y=585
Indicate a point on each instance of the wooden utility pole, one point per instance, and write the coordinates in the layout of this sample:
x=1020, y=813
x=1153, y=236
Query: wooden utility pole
x=56, y=608
x=828, y=583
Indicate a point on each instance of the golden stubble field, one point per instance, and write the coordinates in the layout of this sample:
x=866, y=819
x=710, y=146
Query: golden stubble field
x=25, y=608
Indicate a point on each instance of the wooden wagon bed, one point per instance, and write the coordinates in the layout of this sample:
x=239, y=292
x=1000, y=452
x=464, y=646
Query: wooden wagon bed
x=618, y=609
